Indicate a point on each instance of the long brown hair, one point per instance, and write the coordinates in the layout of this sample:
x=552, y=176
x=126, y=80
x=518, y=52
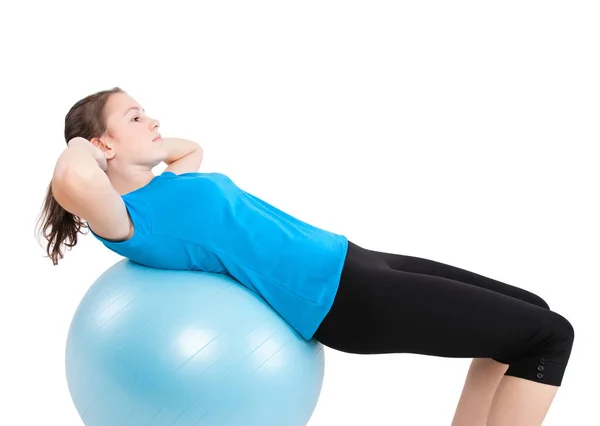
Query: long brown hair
x=86, y=119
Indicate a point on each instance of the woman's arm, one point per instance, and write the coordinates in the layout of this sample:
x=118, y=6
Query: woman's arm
x=183, y=155
x=80, y=157
x=178, y=148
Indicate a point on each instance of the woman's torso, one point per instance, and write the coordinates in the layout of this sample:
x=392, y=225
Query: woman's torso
x=204, y=221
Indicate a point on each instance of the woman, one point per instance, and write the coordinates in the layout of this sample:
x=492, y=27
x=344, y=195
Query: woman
x=347, y=297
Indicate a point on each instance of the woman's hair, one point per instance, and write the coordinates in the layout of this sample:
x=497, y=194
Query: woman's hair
x=86, y=119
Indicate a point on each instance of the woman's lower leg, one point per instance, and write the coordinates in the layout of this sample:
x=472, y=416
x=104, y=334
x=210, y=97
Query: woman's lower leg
x=520, y=402
x=475, y=401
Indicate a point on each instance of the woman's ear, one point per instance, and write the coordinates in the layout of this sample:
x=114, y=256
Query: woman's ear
x=104, y=145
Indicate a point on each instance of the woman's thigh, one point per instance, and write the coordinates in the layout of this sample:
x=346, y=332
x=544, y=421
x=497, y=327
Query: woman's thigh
x=420, y=265
x=382, y=310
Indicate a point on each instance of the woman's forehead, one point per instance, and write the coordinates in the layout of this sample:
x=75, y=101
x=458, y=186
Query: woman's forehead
x=121, y=104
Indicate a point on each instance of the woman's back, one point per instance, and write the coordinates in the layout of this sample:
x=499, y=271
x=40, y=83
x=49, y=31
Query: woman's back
x=204, y=221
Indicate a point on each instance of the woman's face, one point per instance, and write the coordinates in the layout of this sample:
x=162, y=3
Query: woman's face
x=131, y=135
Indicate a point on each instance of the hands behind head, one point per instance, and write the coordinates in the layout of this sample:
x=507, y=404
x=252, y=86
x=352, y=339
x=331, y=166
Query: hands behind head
x=92, y=149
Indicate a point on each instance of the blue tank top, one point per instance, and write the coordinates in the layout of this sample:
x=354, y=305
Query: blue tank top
x=204, y=221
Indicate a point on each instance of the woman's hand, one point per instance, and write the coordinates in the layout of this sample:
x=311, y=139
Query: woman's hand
x=177, y=148
x=96, y=152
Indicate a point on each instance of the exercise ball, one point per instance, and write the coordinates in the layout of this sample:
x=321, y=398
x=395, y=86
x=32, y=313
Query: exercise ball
x=156, y=347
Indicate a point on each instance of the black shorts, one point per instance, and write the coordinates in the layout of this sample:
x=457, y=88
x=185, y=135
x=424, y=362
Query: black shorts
x=391, y=303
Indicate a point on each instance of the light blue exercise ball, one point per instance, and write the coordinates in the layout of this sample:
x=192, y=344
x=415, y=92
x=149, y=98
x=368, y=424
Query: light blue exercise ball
x=155, y=347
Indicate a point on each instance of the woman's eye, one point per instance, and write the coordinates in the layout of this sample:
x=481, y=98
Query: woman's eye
x=135, y=118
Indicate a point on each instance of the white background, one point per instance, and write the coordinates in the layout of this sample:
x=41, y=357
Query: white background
x=459, y=131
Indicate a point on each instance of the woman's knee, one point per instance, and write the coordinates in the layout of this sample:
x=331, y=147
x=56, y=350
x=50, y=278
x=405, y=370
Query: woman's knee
x=566, y=329
x=537, y=300
x=543, y=303
x=559, y=339
x=550, y=352
x=552, y=341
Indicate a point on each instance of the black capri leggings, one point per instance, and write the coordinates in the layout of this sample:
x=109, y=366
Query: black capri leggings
x=390, y=303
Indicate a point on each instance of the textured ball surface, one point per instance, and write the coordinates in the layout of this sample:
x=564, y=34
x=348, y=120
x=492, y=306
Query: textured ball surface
x=154, y=347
